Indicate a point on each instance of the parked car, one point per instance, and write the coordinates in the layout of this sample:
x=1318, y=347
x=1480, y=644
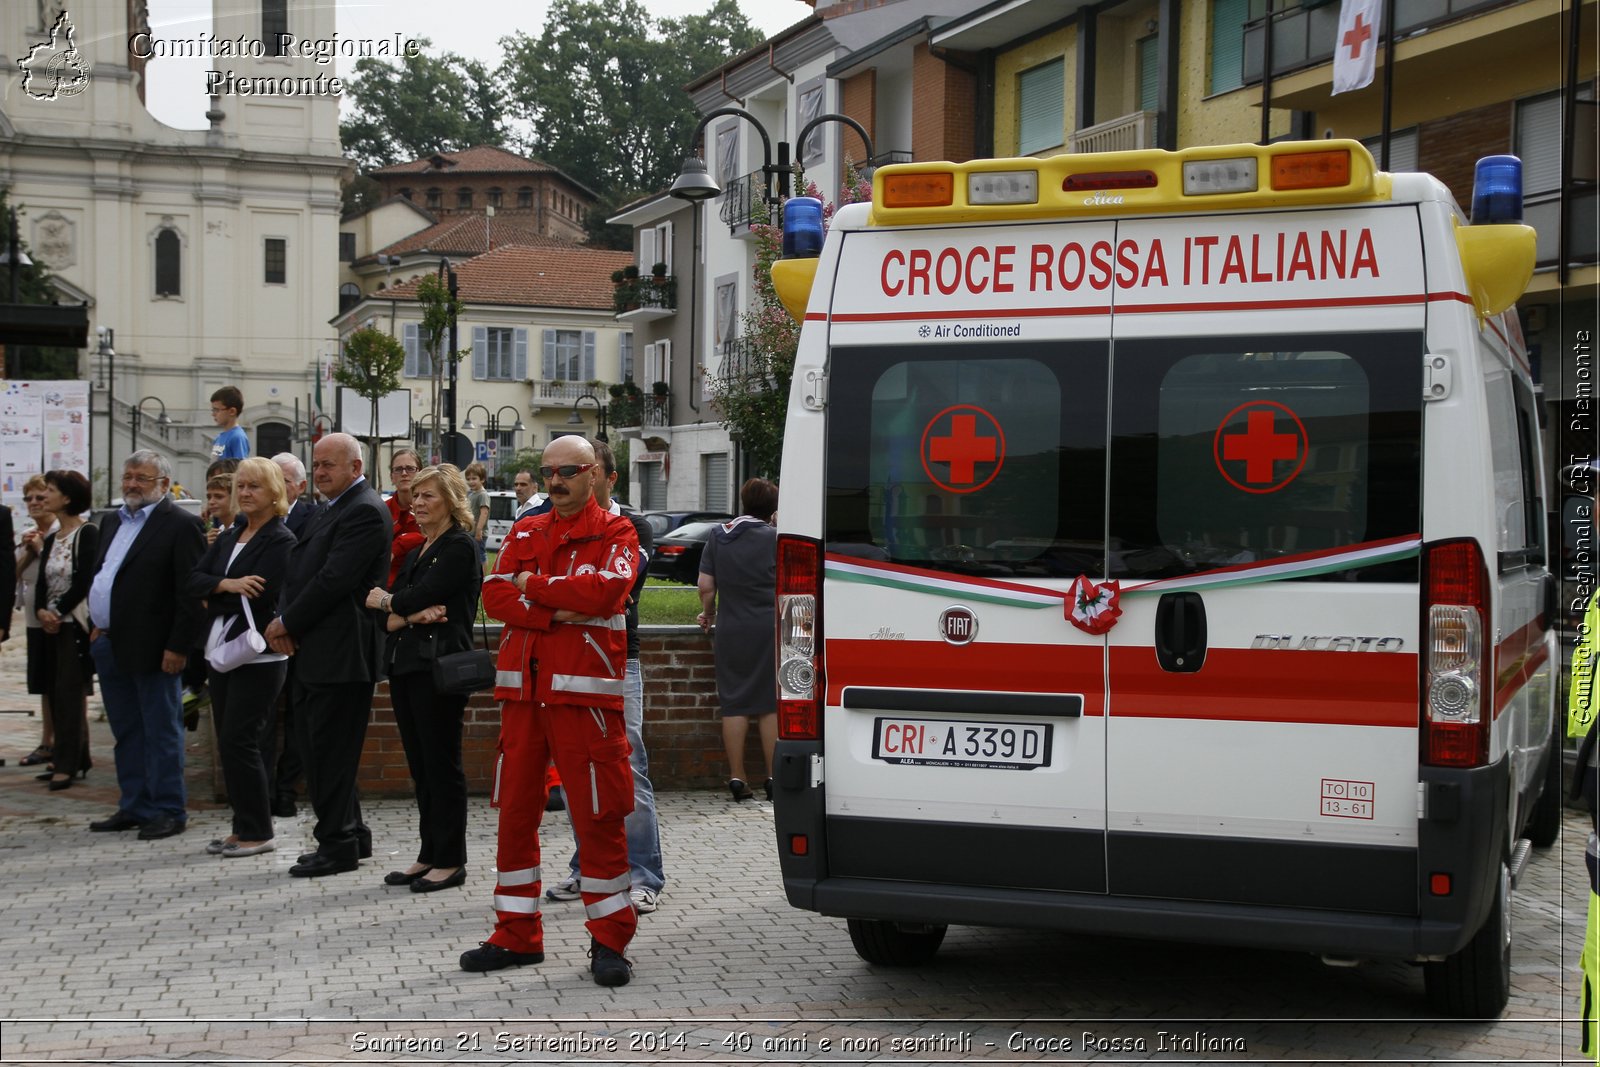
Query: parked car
x=677, y=554
x=664, y=522
x=502, y=509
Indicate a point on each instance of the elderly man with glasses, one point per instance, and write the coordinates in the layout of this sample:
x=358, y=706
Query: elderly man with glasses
x=143, y=629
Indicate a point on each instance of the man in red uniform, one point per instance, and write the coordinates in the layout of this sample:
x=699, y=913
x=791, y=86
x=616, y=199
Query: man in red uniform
x=403, y=467
x=560, y=585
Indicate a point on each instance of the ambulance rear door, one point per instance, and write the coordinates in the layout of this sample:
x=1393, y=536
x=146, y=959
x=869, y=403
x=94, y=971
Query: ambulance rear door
x=1263, y=517
x=965, y=489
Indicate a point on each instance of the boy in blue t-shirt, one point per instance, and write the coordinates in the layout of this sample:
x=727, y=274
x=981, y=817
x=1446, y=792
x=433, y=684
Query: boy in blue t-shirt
x=231, y=443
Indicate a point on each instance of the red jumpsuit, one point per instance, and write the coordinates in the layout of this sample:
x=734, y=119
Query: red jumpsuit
x=561, y=688
x=407, y=535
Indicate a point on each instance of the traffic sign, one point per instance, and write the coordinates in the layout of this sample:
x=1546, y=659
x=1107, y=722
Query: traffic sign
x=483, y=451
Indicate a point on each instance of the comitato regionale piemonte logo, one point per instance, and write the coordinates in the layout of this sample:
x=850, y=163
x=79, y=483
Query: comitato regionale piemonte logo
x=54, y=69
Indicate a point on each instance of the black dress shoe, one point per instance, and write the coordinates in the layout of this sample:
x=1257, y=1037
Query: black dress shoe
x=283, y=808
x=402, y=878
x=424, y=885
x=364, y=848
x=119, y=821
x=488, y=957
x=320, y=865
x=165, y=826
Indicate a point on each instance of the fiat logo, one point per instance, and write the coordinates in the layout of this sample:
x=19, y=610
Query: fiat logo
x=958, y=625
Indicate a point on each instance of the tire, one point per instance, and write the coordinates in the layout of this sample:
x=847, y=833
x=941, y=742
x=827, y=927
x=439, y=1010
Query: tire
x=893, y=945
x=1544, y=825
x=1475, y=983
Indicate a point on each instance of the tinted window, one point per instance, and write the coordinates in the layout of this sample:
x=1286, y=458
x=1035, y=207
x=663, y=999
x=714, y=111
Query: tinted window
x=983, y=459
x=694, y=531
x=502, y=507
x=1231, y=450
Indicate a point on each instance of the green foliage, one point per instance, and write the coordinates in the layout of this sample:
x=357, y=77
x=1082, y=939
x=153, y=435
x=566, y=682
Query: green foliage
x=426, y=104
x=600, y=90
x=359, y=194
x=371, y=365
x=755, y=405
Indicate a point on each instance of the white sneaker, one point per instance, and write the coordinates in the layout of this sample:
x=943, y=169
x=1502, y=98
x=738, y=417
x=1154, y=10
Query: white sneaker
x=564, y=890
x=644, y=900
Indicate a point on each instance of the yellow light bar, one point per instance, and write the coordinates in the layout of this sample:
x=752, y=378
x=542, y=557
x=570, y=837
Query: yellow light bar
x=1148, y=181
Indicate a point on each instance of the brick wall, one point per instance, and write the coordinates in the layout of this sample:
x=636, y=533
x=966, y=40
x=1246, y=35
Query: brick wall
x=682, y=730
x=1449, y=148
x=858, y=98
x=944, y=116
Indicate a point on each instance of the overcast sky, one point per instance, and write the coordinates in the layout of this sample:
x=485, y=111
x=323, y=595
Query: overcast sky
x=473, y=28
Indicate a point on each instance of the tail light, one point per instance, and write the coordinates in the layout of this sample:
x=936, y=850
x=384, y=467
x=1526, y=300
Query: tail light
x=800, y=678
x=1457, y=711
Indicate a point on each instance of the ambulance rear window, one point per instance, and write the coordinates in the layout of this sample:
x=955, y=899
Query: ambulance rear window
x=1236, y=450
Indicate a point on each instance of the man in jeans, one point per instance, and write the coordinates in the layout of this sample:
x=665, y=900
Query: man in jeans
x=644, y=839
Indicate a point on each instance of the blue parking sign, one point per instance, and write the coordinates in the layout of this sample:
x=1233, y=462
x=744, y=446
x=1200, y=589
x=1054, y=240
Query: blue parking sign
x=483, y=451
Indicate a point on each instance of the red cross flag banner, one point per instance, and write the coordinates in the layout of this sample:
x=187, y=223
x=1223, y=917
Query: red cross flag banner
x=1355, y=48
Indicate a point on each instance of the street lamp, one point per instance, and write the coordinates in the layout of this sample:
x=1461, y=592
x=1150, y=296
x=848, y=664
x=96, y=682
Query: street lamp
x=137, y=416
x=446, y=272
x=109, y=354
x=491, y=431
x=576, y=419
x=435, y=456
x=696, y=183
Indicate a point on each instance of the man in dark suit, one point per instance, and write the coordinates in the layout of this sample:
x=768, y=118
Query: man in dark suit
x=143, y=629
x=284, y=770
x=323, y=622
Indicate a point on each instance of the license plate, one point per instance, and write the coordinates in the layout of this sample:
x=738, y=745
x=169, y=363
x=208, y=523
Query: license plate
x=1016, y=746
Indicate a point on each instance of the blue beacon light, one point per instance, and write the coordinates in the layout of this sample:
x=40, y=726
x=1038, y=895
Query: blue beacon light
x=1497, y=190
x=802, y=227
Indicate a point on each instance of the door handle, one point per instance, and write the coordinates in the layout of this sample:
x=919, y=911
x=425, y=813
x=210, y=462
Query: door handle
x=1181, y=632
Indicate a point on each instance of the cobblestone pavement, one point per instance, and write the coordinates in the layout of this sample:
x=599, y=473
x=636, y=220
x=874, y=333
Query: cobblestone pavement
x=120, y=951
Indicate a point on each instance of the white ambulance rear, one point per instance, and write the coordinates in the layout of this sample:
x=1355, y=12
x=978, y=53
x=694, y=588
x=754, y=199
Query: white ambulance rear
x=1162, y=555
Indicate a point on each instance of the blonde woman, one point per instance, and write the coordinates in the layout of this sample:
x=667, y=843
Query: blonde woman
x=429, y=613
x=245, y=564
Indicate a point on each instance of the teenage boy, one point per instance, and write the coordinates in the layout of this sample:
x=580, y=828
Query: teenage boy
x=231, y=443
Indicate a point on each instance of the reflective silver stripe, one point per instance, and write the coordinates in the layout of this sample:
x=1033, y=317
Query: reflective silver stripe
x=615, y=622
x=614, y=574
x=606, y=885
x=589, y=637
x=501, y=578
x=578, y=683
x=499, y=765
x=525, y=877
x=508, y=679
x=517, y=905
x=614, y=903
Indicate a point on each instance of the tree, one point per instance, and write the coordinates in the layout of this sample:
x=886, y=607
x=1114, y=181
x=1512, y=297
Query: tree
x=754, y=406
x=426, y=104
x=601, y=89
x=35, y=285
x=438, y=310
x=371, y=365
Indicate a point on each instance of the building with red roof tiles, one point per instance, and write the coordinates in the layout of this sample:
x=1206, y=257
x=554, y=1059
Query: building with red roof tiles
x=540, y=332
x=446, y=184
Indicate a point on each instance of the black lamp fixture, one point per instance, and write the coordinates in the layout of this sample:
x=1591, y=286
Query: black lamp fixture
x=576, y=417
x=137, y=416
x=109, y=354
x=696, y=183
x=491, y=430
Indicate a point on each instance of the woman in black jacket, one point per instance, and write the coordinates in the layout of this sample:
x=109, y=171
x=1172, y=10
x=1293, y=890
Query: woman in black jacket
x=244, y=566
x=62, y=607
x=429, y=613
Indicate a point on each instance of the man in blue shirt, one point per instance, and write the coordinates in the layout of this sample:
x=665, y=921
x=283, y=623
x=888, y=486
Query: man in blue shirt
x=231, y=443
x=144, y=628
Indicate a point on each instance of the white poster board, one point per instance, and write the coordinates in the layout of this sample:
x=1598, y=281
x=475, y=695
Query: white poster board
x=394, y=414
x=43, y=426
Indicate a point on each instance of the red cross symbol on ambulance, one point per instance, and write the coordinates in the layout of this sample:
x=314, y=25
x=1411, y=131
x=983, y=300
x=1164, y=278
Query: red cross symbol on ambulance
x=1260, y=447
x=964, y=444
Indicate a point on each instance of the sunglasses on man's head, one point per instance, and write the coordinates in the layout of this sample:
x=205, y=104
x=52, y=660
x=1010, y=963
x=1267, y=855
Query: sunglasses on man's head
x=569, y=470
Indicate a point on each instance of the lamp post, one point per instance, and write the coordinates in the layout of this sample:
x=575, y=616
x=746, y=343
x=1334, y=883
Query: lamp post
x=448, y=274
x=696, y=183
x=434, y=455
x=306, y=432
x=107, y=334
x=576, y=418
x=137, y=416
x=491, y=429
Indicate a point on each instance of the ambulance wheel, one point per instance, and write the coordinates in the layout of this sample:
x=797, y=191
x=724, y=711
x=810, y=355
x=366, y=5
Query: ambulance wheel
x=1475, y=983
x=1545, y=824
x=894, y=944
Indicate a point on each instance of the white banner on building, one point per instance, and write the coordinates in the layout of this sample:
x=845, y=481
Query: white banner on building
x=1355, y=47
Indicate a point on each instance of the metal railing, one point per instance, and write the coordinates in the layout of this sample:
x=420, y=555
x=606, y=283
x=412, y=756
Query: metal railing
x=657, y=410
x=744, y=201
x=743, y=363
x=559, y=391
x=1121, y=134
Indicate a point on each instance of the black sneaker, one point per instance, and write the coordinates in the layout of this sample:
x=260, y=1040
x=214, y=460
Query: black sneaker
x=557, y=800
x=489, y=957
x=608, y=966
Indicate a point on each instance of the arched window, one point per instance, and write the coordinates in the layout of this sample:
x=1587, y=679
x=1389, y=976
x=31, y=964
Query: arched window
x=406, y=193
x=349, y=296
x=525, y=196
x=494, y=197
x=435, y=198
x=272, y=438
x=463, y=197
x=169, y=270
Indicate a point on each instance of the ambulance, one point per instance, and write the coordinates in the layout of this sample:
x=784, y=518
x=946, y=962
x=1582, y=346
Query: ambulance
x=1162, y=555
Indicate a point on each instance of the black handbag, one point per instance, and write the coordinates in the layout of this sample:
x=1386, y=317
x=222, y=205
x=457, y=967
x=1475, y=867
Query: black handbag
x=466, y=672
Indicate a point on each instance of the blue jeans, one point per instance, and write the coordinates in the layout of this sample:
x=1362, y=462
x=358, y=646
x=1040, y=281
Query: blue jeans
x=146, y=716
x=644, y=837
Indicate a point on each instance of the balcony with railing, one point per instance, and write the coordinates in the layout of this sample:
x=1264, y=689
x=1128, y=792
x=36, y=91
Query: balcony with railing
x=646, y=298
x=1124, y=133
x=744, y=203
x=555, y=393
x=633, y=409
x=743, y=366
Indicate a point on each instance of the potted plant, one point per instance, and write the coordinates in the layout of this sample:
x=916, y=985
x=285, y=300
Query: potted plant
x=659, y=272
x=660, y=389
x=631, y=272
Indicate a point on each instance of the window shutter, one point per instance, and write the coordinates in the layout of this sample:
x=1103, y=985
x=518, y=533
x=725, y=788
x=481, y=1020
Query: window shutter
x=588, y=356
x=1149, y=69
x=666, y=361
x=1227, y=44
x=549, y=366
x=408, y=335
x=664, y=240
x=1539, y=144
x=647, y=250
x=1041, y=107
x=480, y=352
x=519, y=359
